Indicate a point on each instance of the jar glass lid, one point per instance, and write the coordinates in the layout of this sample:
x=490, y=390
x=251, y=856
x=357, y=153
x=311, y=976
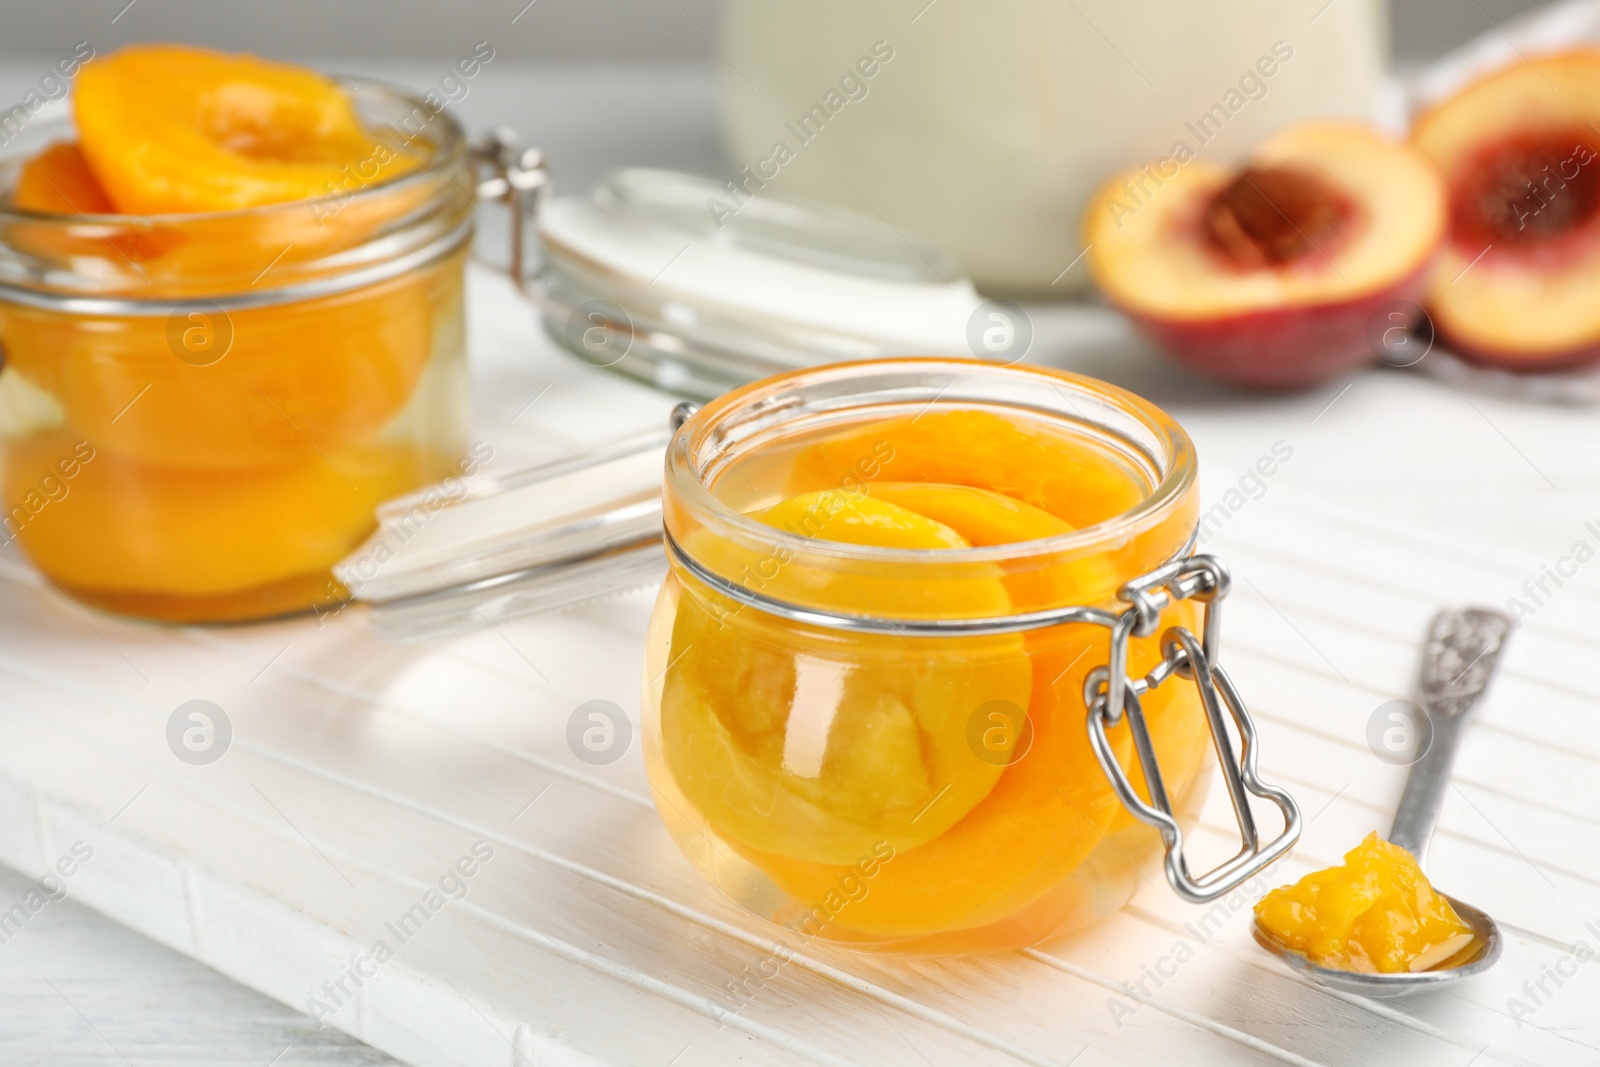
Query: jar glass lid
x=697, y=286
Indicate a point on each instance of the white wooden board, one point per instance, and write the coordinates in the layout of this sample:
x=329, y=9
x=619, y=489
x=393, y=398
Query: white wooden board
x=359, y=773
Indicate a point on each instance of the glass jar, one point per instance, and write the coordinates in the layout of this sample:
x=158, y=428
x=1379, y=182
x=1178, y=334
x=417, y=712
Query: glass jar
x=882, y=746
x=200, y=413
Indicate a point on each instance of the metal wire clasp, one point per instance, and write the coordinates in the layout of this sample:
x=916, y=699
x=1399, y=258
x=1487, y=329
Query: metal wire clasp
x=1110, y=695
x=518, y=178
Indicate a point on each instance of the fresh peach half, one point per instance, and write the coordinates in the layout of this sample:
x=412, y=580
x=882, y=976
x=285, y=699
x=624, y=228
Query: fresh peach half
x=1269, y=275
x=1518, y=283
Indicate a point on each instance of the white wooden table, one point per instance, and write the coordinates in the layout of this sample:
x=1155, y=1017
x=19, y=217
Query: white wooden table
x=80, y=989
x=359, y=773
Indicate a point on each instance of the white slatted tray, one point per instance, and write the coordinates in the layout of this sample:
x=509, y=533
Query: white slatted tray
x=361, y=772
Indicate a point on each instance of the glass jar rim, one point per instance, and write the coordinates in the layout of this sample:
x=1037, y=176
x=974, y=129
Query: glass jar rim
x=686, y=481
x=447, y=151
x=356, y=235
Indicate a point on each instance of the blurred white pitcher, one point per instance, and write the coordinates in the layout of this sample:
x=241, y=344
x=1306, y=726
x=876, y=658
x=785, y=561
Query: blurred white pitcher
x=984, y=125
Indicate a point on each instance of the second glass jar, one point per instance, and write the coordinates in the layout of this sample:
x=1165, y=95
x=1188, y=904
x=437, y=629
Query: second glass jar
x=200, y=413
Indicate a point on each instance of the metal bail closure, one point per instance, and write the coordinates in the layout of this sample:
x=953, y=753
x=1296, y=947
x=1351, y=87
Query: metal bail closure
x=518, y=178
x=1110, y=695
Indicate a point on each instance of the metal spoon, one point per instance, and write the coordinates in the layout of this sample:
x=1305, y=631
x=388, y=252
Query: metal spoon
x=1462, y=653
